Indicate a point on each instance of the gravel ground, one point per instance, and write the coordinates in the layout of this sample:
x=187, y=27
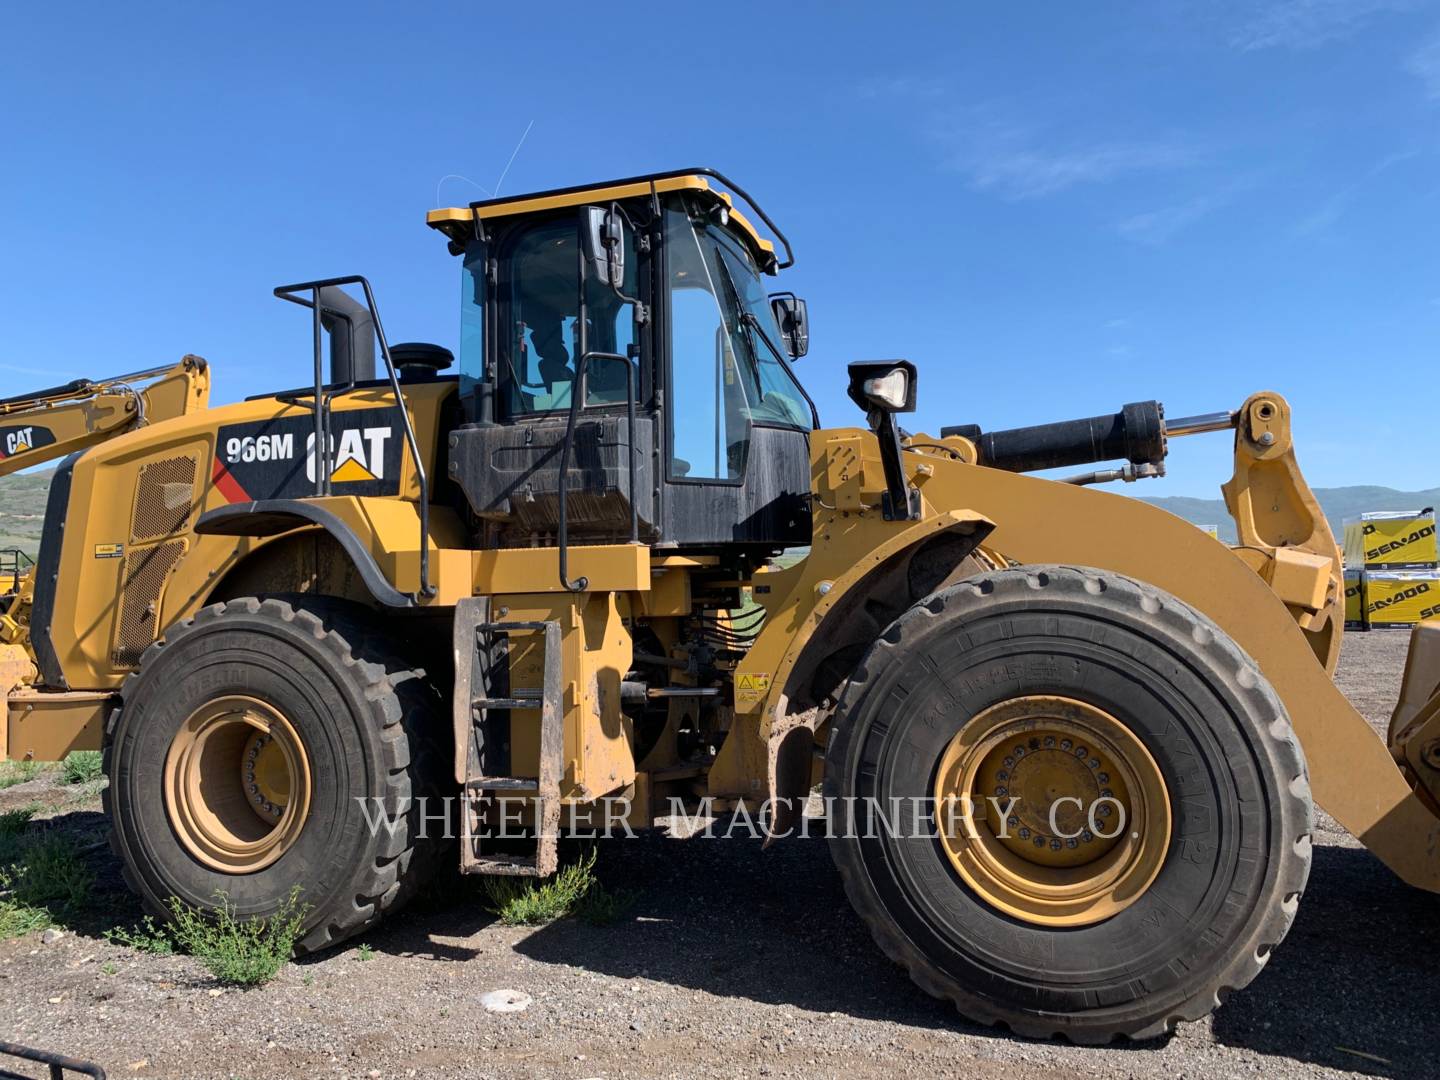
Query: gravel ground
x=732, y=962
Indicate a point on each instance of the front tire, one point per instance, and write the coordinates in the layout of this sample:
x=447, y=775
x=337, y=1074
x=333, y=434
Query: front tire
x=1152, y=691
x=249, y=748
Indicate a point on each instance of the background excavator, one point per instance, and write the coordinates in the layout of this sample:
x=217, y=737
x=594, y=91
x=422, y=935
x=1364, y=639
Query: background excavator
x=50, y=424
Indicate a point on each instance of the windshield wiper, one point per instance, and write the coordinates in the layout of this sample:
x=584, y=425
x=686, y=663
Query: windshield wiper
x=752, y=326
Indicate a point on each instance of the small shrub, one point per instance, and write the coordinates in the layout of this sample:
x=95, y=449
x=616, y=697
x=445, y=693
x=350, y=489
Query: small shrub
x=241, y=952
x=364, y=952
x=109, y=968
x=148, y=937
x=81, y=767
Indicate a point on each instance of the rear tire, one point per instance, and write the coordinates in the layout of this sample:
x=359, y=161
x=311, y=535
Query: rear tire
x=1236, y=856
x=362, y=724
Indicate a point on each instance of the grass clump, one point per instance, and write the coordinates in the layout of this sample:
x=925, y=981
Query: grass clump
x=240, y=952
x=573, y=890
x=42, y=880
x=81, y=767
x=18, y=772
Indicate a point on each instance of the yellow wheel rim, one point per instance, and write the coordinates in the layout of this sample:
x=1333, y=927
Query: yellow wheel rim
x=237, y=784
x=1052, y=810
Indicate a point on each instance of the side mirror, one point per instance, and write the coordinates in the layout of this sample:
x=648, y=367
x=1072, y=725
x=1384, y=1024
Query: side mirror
x=886, y=386
x=603, y=236
x=794, y=321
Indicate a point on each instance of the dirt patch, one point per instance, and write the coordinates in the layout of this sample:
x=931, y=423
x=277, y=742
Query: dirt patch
x=732, y=961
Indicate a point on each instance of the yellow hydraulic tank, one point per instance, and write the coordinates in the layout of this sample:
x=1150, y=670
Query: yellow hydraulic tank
x=1401, y=597
x=1391, y=540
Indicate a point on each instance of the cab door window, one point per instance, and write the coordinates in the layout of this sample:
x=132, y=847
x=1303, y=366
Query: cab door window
x=540, y=343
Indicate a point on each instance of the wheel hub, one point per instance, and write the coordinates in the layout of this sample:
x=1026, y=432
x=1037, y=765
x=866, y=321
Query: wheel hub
x=237, y=784
x=1052, y=810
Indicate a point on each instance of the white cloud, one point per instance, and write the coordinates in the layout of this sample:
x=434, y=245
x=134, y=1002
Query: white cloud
x=1155, y=227
x=1308, y=24
x=1334, y=208
x=1424, y=64
x=1014, y=161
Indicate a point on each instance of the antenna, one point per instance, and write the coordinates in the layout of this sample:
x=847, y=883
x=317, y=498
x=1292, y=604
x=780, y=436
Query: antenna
x=512, y=158
x=455, y=176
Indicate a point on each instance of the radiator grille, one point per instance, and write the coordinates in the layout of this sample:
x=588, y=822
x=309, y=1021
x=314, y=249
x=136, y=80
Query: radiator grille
x=144, y=577
x=164, y=497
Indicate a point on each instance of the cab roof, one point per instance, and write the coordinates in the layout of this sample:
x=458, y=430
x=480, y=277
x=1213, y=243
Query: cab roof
x=458, y=222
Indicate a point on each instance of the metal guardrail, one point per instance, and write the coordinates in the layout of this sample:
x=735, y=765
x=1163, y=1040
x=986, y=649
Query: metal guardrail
x=57, y=1064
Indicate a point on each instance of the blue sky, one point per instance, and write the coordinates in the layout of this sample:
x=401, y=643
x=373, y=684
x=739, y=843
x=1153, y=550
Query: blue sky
x=1052, y=208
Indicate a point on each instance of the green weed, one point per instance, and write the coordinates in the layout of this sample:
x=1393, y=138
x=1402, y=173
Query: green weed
x=147, y=937
x=81, y=767
x=574, y=890
x=241, y=952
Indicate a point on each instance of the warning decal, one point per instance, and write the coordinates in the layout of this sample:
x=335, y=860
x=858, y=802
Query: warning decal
x=276, y=459
x=751, y=686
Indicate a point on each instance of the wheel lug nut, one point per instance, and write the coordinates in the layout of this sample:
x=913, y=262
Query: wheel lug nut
x=1039, y=841
x=1012, y=821
x=1081, y=752
x=1103, y=777
x=1065, y=744
x=1002, y=791
x=1072, y=842
x=1054, y=845
x=1024, y=834
x=1107, y=794
x=1049, y=740
x=1094, y=763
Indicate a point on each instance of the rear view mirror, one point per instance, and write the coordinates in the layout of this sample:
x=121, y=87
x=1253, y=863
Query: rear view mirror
x=794, y=322
x=602, y=234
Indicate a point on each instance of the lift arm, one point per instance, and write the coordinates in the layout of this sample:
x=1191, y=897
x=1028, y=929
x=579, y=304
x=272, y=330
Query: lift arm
x=40, y=427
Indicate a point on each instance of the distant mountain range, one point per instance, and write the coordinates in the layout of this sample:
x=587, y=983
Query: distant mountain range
x=22, y=507
x=1338, y=503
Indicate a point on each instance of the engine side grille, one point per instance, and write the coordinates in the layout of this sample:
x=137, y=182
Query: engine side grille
x=144, y=577
x=164, y=498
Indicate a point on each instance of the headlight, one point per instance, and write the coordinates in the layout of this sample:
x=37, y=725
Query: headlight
x=890, y=391
x=887, y=385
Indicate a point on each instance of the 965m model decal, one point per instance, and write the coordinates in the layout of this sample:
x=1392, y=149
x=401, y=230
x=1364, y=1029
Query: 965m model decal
x=276, y=459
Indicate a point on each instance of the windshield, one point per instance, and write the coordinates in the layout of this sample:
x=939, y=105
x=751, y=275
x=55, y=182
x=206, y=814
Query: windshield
x=723, y=375
x=774, y=395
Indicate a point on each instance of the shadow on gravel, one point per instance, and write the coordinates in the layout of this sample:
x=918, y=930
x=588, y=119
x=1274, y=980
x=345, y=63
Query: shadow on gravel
x=728, y=918
x=1356, y=973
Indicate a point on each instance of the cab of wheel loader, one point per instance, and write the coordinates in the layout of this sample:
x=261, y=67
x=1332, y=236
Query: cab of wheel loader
x=625, y=373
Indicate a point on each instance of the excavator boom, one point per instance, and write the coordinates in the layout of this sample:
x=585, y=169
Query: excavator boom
x=49, y=424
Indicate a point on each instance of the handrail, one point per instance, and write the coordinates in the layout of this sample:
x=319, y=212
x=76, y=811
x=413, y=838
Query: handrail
x=322, y=400
x=577, y=398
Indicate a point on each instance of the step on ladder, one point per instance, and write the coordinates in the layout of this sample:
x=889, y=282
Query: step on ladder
x=483, y=704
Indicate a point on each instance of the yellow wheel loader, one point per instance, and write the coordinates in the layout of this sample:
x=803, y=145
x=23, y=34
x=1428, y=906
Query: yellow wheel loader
x=1067, y=743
